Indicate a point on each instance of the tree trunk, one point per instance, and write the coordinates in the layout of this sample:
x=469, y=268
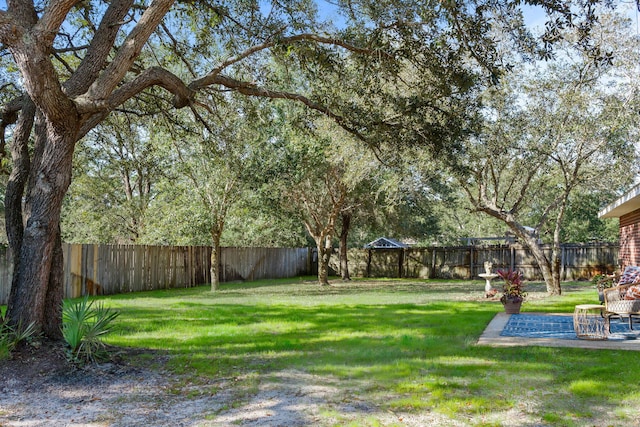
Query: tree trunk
x=551, y=279
x=36, y=292
x=18, y=179
x=553, y=283
x=215, y=260
x=555, y=288
x=344, y=233
x=546, y=266
x=324, y=255
x=550, y=274
x=52, y=326
x=15, y=189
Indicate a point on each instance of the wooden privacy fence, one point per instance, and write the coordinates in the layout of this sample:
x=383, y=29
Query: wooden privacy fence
x=116, y=269
x=265, y=263
x=578, y=261
x=113, y=269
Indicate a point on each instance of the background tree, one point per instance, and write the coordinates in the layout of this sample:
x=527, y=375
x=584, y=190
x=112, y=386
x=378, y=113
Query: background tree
x=364, y=178
x=318, y=175
x=116, y=167
x=551, y=131
x=581, y=223
x=213, y=168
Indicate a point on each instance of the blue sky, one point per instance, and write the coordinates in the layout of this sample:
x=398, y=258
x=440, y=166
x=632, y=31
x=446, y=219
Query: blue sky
x=327, y=8
x=534, y=16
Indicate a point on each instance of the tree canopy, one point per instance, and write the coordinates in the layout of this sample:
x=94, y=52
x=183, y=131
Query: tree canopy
x=394, y=71
x=554, y=130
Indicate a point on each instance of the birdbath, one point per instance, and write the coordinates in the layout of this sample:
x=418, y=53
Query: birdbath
x=488, y=275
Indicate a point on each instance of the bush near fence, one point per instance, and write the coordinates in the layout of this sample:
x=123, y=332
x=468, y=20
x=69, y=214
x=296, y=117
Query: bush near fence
x=111, y=269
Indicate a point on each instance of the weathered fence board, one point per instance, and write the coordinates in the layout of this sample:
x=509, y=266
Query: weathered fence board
x=263, y=263
x=114, y=269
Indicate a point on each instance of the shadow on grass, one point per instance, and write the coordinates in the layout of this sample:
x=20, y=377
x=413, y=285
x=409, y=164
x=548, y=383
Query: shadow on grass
x=400, y=356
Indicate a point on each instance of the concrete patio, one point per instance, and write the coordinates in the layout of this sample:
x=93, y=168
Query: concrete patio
x=492, y=336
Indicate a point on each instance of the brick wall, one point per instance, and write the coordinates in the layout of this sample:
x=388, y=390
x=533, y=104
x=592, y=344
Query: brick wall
x=630, y=239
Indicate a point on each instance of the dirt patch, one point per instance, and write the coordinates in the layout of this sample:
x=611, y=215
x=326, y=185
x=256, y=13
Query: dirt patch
x=39, y=388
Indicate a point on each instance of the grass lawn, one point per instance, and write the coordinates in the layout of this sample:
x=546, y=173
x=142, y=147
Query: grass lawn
x=404, y=346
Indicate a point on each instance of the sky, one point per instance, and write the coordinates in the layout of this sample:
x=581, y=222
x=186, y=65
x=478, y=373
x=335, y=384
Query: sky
x=533, y=15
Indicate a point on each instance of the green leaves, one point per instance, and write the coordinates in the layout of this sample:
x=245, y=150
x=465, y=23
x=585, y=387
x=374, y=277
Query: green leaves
x=11, y=336
x=84, y=325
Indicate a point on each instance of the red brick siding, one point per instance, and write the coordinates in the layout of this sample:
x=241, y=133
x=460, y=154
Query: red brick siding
x=630, y=239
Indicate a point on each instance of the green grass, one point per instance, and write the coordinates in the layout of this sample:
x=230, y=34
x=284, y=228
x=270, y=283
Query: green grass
x=403, y=345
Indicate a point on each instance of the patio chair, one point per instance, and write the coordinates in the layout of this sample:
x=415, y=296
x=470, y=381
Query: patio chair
x=623, y=300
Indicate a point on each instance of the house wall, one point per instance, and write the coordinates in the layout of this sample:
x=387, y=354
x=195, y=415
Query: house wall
x=629, y=239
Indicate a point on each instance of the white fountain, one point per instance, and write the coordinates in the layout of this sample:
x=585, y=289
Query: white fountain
x=488, y=275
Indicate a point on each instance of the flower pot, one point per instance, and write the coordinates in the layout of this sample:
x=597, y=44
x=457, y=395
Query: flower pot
x=511, y=307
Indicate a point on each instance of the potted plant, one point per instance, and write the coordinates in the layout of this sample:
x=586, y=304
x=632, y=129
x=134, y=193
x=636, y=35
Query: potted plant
x=513, y=293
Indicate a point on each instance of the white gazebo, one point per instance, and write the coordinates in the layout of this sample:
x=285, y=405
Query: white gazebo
x=385, y=243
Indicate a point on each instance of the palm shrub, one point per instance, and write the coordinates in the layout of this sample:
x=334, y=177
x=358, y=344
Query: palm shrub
x=11, y=336
x=84, y=323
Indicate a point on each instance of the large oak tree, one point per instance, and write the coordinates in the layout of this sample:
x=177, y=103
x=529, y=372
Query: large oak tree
x=552, y=131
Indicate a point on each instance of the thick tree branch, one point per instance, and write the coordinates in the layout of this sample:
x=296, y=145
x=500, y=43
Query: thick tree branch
x=30, y=46
x=54, y=15
x=99, y=49
x=129, y=51
x=210, y=77
x=8, y=116
x=251, y=89
x=154, y=76
x=14, y=23
x=8, y=29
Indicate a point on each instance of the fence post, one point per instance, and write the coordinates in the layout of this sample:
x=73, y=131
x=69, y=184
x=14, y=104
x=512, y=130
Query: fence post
x=432, y=275
x=563, y=271
x=512, y=257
